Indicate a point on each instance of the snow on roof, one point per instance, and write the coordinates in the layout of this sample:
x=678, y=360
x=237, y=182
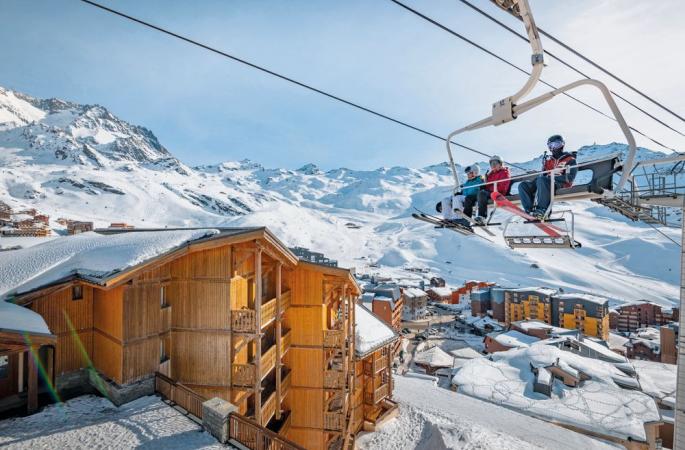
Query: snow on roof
x=656, y=379
x=588, y=297
x=482, y=322
x=441, y=291
x=466, y=353
x=544, y=376
x=514, y=339
x=534, y=324
x=541, y=290
x=371, y=332
x=600, y=405
x=414, y=292
x=434, y=357
x=90, y=255
x=17, y=318
x=648, y=333
x=616, y=341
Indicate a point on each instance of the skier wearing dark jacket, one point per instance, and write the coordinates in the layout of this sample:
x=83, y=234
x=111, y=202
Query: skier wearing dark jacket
x=560, y=161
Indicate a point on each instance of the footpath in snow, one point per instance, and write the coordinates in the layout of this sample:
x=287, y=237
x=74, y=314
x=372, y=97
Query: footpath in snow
x=435, y=418
x=91, y=422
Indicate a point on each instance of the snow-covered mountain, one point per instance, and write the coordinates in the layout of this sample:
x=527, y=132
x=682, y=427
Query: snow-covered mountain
x=81, y=162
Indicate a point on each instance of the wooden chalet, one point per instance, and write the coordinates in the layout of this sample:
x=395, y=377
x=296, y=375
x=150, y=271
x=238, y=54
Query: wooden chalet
x=375, y=341
x=231, y=314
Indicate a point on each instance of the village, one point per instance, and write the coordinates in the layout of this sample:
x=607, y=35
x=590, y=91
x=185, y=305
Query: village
x=137, y=323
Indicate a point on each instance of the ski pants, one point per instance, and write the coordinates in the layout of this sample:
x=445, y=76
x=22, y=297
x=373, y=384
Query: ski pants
x=481, y=199
x=541, y=186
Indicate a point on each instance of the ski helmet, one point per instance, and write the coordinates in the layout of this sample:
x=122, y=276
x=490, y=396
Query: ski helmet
x=555, y=142
x=438, y=207
x=472, y=169
x=496, y=158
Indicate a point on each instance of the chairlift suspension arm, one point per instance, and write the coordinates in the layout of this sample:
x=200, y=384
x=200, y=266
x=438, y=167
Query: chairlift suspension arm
x=507, y=110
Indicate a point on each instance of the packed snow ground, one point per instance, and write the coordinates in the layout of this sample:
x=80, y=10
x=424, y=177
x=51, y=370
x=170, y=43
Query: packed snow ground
x=81, y=162
x=434, y=418
x=91, y=422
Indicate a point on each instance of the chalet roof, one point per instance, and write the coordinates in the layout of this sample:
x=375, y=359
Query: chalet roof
x=539, y=290
x=15, y=318
x=587, y=297
x=441, y=291
x=101, y=256
x=371, y=333
x=414, y=292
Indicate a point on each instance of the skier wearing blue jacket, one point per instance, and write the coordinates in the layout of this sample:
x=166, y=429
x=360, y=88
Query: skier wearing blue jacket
x=469, y=191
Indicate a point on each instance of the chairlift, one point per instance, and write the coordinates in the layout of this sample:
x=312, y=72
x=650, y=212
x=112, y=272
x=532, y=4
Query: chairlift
x=600, y=185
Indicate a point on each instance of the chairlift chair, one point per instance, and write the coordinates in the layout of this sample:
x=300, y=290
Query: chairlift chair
x=506, y=110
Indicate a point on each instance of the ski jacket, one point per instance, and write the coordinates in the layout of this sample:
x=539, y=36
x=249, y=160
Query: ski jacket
x=468, y=189
x=496, y=175
x=566, y=176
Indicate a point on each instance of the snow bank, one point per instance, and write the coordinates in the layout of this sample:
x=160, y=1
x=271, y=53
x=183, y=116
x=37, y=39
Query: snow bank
x=597, y=404
x=435, y=418
x=371, y=332
x=90, y=255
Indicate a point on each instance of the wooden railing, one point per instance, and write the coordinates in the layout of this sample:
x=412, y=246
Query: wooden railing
x=375, y=367
x=268, y=361
x=333, y=421
x=332, y=338
x=248, y=433
x=243, y=374
x=285, y=384
x=240, y=429
x=179, y=394
x=285, y=300
x=371, y=398
x=243, y=320
x=286, y=340
x=268, y=312
x=333, y=379
x=286, y=424
x=269, y=408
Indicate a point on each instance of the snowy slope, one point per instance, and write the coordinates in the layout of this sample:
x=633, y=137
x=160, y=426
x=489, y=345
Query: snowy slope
x=82, y=162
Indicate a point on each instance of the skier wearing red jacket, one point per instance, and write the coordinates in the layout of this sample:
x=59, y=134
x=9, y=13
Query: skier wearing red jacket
x=498, y=176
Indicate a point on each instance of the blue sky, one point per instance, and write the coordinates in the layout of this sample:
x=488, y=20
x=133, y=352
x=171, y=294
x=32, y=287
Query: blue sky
x=206, y=109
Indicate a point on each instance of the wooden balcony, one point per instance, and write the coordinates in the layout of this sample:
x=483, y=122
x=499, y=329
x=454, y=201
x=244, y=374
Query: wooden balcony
x=371, y=398
x=332, y=338
x=286, y=340
x=286, y=424
x=378, y=364
x=269, y=408
x=268, y=361
x=333, y=421
x=333, y=379
x=250, y=435
x=243, y=374
x=243, y=320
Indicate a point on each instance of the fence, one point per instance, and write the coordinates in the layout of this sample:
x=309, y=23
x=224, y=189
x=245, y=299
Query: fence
x=240, y=429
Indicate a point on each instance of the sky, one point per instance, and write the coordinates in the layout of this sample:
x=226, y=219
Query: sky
x=205, y=108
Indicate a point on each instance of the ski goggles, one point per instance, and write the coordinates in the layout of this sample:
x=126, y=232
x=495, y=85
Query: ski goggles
x=555, y=145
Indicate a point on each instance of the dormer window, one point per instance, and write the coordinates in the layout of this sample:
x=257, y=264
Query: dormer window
x=77, y=292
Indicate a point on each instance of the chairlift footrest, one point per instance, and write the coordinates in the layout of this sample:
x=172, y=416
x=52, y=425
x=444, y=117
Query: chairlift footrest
x=562, y=242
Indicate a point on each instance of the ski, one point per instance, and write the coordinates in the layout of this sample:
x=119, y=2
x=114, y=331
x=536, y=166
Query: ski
x=442, y=223
x=554, y=232
x=502, y=202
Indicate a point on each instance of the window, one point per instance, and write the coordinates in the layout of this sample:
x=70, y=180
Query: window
x=4, y=367
x=162, y=297
x=77, y=292
x=162, y=352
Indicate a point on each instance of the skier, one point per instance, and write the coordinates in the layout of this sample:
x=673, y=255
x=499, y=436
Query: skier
x=497, y=177
x=559, y=161
x=469, y=191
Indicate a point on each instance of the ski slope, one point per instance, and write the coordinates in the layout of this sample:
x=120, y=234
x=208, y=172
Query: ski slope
x=81, y=162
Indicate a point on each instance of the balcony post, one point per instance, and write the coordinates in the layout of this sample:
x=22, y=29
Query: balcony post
x=279, y=332
x=258, y=336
